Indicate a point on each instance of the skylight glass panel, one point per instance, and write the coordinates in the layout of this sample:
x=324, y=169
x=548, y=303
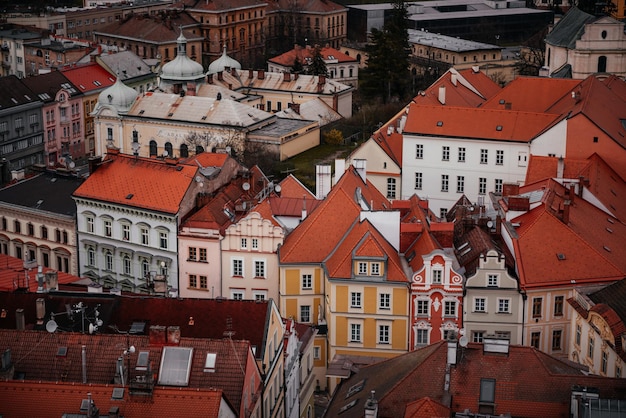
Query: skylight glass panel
x=142, y=360
x=209, y=364
x=175, y=366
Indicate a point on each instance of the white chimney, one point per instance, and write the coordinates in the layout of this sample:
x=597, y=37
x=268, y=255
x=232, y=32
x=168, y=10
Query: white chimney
x=84, y=360
x=322, y=181
x=40, y=303
x=442, y=95
x=303, y=208
x=453, y=79
x=340, y=168
x=560, y=167
x=361, y=168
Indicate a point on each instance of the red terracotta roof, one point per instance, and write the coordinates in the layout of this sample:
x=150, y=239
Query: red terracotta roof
x=292, y=187
x=130, y=181
x=532, y=94
x=364, y=240
x=304, y=54
x=551, y=252
x=208, y=159
x=541, y=167
x=14, y=276
x=426, y=408
x=153, y=28
x=23, y=398
x=466, y=88
x=493, y=124
x=331, y=219
x=89, y=77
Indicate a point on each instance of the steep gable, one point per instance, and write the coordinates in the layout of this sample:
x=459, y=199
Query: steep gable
x=89, y=78
x=465, y=88
x=569, y=29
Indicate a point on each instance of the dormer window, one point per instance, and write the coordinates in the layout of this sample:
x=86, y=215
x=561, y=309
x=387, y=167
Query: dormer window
x=437, y=276
x=375, y=269
x=362, y=268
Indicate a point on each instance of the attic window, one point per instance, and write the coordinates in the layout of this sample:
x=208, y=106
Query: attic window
x=347, y=406
x=609, y=230
x=62, y=352
x=611, y=221
x=560, y=256
x=440, y=123
x=356, y=388
x=203, y=117
x=129, y=196
x=502, y=101
x=97, y=83
x=410, y=256
x=499, y=128
x=142, y=111
x=209, y=363
x=175, y=366
x=465, y=244
x=137, y=328
x=467, y=250
x=118, y=394
x=142, y=360
x=170, y=114
x=607, y=248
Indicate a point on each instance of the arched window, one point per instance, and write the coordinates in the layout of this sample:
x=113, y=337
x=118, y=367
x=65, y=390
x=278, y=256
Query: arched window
x=184, y=151
x=199, y=149
x=168, y=149
x=602, y=64
x=91, y=256
x=153, y=148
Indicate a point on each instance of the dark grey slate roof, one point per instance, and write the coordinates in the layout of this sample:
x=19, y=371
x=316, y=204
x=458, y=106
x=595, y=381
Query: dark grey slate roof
x=15, y=93
x=45, y=191
x=614, y=296
x=563, y=72
x=46, y=86
x=569, y=29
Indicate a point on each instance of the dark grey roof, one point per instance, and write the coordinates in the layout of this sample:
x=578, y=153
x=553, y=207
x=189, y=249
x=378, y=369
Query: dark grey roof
x=569, y=29
x=46, y=86
x=563, y=72
x=46, y=191
x=614, y=296
x=15, y=93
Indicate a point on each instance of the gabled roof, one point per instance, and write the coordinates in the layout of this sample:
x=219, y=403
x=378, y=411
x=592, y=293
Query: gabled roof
x=89, y=78
x=588, y=248
x=158, y=29
x=14, y=276
x=569, y=29
x=39, y=399
x=528, y=382
x=15, y=93
x=305, y=54
x=126, y=65
x=363, y=240
x=331, y=219
x=465, y=88
x=47, y=85
x=314, y=109
x=426, y=408
x=35, y=355
x=532, y=94
x=46, y=192
x=110, y=182
x=389, y=139
x=501, y=125
x=603, y=103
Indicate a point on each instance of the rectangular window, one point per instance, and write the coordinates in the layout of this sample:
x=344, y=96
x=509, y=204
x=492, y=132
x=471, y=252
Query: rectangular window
x=125, y=232
x=238, y=268
x=107, y=228
x=422, y=337
x=259, y=268
x=504, y=306
x=193, y=281
x=492, y=280
x=419, y=151
x=203, y=282
x=244, y=243
x=163, y=239
x=192, y=253
x=461, y=154
x=305, y=313
x=383, y=334
x=556, y=339
x=484, y=156
x=145, y=236
x=391, y=188
x=535, y=339
x=499, y=157
x=460, y=184
x=618, y=371
x=444, y=182
x=89, y=222
x=127, y=266
x=418, y=181
x=422, y=307
x=449, y=308
x=558, y=306
x=236, y=295
x=362, y=268
x=255, y=243
x=443, y=212
x=355, y=333
x=307, y=281
x=605, y=362
x=477, y=336
x=355, y=299
x=375, y=269
x=317, y=352
x=445, y=153
x=498, y=186
x=437, y=275
x=537, y=307
x=203, y=255
x=479, y=305
x=482, y=185
x=384, y=301
x=487, y=391
x=590, y=350
x=579, y=332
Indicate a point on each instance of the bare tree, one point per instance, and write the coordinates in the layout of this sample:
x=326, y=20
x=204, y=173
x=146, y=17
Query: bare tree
x=229, y=136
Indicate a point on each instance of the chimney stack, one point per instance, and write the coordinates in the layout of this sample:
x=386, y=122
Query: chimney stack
x=371, y=406
x=250, y=73
x=210, y=79
x=261, y=74
x=303, y=208
x=20, y=319
x=220, y=77
x=84, y=361
x=442, y=95
x=94, y=163
x=565, y=216
x=286, y=77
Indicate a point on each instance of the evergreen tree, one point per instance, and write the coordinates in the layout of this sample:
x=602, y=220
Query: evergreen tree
x=387, y=74
x=317, y=65
x=297, y=67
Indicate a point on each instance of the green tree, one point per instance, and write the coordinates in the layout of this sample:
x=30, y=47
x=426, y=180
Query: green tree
x=297, y=67
x=333, y=137
x=387, y=75
x=317, y=65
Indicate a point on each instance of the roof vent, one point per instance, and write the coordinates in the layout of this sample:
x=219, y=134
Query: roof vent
x=499, y=128
x=440, y=123
x=560, y=256
x=129, y=196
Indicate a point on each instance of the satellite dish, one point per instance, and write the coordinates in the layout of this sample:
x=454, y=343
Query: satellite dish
x=490, y=224
x=246, y=186
x=92, y=328
x=463, y=341
x=198, y=179
x=51, y=326
x=165, y=153
x=72, y=164
x=277, y=188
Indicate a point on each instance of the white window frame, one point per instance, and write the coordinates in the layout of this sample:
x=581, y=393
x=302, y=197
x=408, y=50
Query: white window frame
x=437, y=276
x=356, y=332
x=422, y=307
x=480, y=304
x=307, y=282
x=504, y=305
x=244, y=243
x=384, y=334
x=107, y=227
x=362, y=266
x=89, y=223
x=384, y=301
x=237, y=294
x=484, y=156
x=255, y=243
x=237, y=264
x=163, y=239
x=305, y=314
x=446, y=308
x=260, y=268
x=125, y=231
x=461, y=154
x=421, y=334
x=356, y=300
x=419, y=151
x=375, y=269
x=419, y=181
x=492, y=280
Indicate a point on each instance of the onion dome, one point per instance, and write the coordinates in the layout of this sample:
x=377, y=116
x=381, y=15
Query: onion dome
x=223, y=62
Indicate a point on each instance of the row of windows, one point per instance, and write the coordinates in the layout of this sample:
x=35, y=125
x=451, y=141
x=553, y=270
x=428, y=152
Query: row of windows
x=239, y=294
x=460, y=184
x=422, y=336
x=462, y=153
x=538, y=306
x=197, y=254
x=45, y=258
x=503, y=305
x=237, y=268
x=61, y=236
x=479, y=336
x=125, y=231
x=422, y=307
x=590, y=352
x=108, y=263
x=356, y=334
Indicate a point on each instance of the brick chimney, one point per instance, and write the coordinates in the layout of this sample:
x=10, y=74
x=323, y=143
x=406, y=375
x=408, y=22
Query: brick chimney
x=94, y=163
x=233, y=72
x=220, y=77
x=250, y=73
x=295, y=107
x=191, y=89
x=565, y=215
x=321, y=79
x=510, y=189
x=261, y=74
x=286, y=77
x=209, y=79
